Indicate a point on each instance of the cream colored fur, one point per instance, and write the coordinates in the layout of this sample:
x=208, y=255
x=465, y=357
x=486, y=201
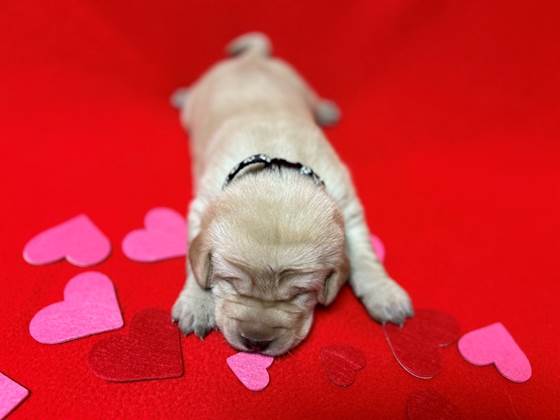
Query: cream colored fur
x=269, y=247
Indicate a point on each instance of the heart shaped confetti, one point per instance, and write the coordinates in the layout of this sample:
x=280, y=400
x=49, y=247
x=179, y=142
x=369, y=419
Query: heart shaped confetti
x=11, y=395
x=151, y=350
x=416, y=345
x=429, y=405
x=342, y=363
x=89, y=307
x=78, y=240
x=494, y=344
x=251, y=369
x=378, y=247
x=164, y=236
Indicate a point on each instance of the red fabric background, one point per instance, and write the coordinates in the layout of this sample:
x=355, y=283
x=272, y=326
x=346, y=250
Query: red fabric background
x=451, y=130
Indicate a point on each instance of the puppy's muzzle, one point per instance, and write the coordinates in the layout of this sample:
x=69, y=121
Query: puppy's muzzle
x=254, y=345
x=255, y=336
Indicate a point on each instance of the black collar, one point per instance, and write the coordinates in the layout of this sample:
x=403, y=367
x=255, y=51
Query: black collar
x=273, y=163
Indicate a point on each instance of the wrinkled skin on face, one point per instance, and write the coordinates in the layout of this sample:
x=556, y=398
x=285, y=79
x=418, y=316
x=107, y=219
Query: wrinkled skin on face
x=270, y=314
x=268, y=261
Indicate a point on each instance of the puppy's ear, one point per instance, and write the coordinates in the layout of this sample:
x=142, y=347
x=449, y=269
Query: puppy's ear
x=199, y=259
x=334, y=282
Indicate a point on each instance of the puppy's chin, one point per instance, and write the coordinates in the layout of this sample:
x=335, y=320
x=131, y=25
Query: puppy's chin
x=286, y=340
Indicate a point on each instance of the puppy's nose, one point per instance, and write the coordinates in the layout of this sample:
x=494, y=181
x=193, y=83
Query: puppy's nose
x=255, y=345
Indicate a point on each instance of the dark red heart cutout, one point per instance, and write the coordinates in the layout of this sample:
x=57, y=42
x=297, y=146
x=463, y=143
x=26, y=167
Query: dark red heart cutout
x=416, y=345
x=429, y=405
x=151, y=350
x=342, y=363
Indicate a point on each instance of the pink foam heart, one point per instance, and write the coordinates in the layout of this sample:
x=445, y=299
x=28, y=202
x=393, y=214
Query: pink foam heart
x=11, y=394
x=250, y=369
x=378, y=247
x=164, y=236
x=494, y=344
x=78, y=240
x=89, y=307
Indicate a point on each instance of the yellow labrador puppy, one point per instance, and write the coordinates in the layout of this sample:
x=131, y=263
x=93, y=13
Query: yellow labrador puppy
x=275, y=226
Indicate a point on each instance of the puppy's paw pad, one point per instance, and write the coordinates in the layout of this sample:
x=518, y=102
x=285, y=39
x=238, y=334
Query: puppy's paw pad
x=389, y=303
x=178, y=99
x=327, y=113
x=194, y=315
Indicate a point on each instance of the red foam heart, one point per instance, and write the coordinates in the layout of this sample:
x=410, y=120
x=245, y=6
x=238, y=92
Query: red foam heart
x=416, y=345
x=429, y=405
x=151, y=350
x=342, y=363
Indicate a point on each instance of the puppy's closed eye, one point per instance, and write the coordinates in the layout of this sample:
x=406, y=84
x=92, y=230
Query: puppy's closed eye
x=304, y=298
x=296, y=291
x=231, y=284
x=229, y=279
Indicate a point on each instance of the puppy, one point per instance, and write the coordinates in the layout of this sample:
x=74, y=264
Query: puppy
x=275, y=227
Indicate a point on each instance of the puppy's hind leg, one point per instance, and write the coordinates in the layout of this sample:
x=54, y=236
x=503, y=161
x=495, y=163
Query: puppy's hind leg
x=178, y=98
x=326, y=112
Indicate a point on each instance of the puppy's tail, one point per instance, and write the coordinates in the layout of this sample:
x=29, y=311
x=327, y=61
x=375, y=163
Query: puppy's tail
x=252, y=43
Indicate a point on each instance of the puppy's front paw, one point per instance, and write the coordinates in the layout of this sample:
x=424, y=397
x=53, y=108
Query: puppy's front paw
x=388, y=302
x=194, y=313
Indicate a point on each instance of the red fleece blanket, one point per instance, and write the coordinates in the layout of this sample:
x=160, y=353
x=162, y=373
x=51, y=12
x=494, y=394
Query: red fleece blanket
x=450, y=127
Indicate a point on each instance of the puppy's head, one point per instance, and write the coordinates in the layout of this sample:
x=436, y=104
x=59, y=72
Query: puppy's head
x=270, y=248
